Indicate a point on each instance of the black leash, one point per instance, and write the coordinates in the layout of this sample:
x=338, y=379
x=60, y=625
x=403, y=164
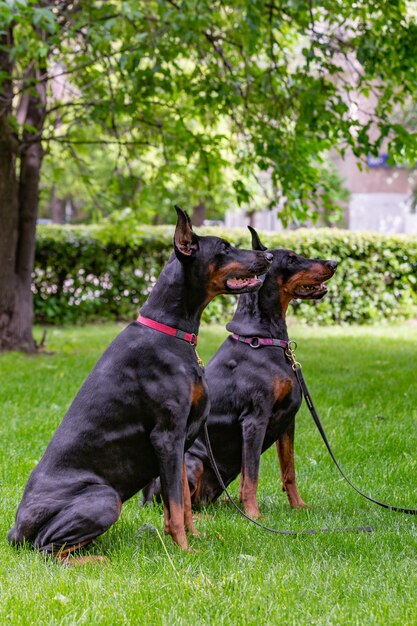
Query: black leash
x=307, y=397
x=307, y=531
x=296, y=366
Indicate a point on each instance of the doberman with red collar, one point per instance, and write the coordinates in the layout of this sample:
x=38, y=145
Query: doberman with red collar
x=253, y=390
x=139, y=409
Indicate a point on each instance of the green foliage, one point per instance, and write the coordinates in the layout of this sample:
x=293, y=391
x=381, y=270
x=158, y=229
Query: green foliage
x=106, y=272
x=199, y=99
x=334, y=196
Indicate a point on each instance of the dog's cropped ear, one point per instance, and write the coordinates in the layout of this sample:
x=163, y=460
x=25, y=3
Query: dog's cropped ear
x=256, y=242
x=185, y=240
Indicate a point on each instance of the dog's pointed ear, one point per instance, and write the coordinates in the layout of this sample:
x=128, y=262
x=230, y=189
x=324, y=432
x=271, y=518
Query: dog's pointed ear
x=185, y=240
x=256, y=242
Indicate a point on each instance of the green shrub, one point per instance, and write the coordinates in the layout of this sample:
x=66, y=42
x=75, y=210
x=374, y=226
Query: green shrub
x=106, y=272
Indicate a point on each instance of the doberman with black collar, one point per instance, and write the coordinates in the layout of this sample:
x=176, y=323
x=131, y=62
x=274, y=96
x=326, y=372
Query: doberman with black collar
x=253, y=390
x=139, y=409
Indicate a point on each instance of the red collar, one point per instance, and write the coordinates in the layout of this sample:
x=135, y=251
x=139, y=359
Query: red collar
x=168, y=330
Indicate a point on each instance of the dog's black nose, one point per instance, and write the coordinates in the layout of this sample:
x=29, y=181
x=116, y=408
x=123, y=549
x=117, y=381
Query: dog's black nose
x=332, y=265
x=268, y=257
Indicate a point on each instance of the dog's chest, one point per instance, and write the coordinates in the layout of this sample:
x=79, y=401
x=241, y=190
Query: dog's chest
x=285, y=400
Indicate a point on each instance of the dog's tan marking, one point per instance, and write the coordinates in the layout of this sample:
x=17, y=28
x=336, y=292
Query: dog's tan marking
x=197, y=393
x=198, y=475
x=218, y=277
x=285, y=451
x=282, y=387
x=188, y=517
x=176, y=526
x=248, y=489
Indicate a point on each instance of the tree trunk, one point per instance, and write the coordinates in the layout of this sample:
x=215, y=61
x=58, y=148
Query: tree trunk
x=251, y=217
x=8, y=237
x=199, y=214
x=18, y=210
x=56, y=208
x=9, y=215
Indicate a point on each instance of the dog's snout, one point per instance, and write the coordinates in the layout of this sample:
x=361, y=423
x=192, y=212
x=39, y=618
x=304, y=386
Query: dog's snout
x=332, y=265
x=268, y=257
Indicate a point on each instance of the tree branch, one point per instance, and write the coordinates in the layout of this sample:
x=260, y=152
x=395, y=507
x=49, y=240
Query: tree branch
x=80, y=142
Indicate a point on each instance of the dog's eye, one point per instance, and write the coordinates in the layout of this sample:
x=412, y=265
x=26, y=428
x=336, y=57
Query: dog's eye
x=225, y=248
x=291, y=259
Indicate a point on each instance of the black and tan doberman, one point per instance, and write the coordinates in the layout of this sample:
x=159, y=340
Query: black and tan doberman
x=139, y=409
x=253, y=390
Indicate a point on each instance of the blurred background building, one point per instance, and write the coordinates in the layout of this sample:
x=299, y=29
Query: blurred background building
x=381, y=199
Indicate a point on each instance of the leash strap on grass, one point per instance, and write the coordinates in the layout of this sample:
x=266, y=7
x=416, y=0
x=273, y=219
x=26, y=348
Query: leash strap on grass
x=307, y=531
x=311, y=531
x=300, y=378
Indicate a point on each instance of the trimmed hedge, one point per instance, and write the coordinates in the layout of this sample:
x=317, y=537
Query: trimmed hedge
x=105, y=272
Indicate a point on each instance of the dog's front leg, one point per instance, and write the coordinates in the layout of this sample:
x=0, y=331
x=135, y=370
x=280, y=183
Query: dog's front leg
x=285, y=451
x=253, y=434
x=169, y=449
x=188, y=514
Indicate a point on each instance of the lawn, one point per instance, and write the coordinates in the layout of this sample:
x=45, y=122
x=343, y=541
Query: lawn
x=363, y=381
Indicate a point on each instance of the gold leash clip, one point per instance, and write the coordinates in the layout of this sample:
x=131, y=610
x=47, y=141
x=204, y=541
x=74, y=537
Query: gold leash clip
x=199, y=360
x=290, y=353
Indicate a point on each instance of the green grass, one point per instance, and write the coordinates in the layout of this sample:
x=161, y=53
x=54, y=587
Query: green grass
x=363, y=381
